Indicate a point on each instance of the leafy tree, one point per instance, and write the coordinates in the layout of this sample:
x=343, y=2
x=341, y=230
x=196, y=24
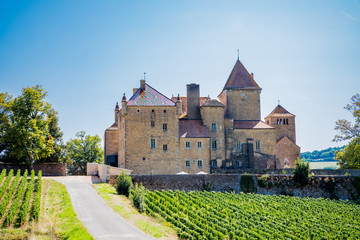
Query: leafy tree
x=301, y=172
x=82, y=150
x=24, y=126
x=349, y=157
x=348, y=130
x=124, y=184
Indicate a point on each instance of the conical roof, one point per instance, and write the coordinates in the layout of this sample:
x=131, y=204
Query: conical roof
x=240, y=78
x=280, y=111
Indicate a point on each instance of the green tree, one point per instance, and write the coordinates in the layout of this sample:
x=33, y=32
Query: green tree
x=24, y=126
x=82, y=150
x=348, y=130
x=349, y=157
x=301, y=172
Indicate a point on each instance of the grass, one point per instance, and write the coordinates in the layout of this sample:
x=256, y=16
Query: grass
x=57, y=218
x=123, y=206
x=323, y=165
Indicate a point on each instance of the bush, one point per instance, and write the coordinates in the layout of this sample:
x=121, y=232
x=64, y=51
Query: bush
x=301, y=173
x=247, y=183
x=262, y=181
x=124, y=184
x=138, y=197
x=207, y=186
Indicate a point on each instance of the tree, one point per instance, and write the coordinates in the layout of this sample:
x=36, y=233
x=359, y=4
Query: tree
x=301, y=173
x=349, y=157
x=348, y=130
x=24, y=126
x=82, y=150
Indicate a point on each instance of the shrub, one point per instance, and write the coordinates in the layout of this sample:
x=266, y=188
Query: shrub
x=247, y=183
x=301, y=173
x=138, y=197
x=124, y=184
x=207, y=186
x=262, y=181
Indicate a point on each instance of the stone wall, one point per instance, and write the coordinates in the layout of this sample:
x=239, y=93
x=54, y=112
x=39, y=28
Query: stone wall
x=316, y=172
x=47, y=169
x=339, y=187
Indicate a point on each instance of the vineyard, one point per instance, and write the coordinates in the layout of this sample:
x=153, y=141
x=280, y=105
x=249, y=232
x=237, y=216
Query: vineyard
x=215, y=215
x=19, y=198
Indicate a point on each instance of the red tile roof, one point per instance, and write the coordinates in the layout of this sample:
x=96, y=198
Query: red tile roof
x=184, y=102
x=149, y=97
x=280, y=111
x=250, y=124
x=192, y=129
x=240, y=78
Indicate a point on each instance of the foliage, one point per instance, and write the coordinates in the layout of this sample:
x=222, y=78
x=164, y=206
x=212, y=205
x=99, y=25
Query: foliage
x=207, y=186
x=301, y=173
x=247, y=183
x=215, y=215
x=124, y=184
x=24, y=208
x=82, y=150
x=321, y=155
x=138, y=197
x=262, y=181
x=6, y=199
x=24, y=128
x=349, y=157
x=35, y=208
x=5, y=185
x=349, y=131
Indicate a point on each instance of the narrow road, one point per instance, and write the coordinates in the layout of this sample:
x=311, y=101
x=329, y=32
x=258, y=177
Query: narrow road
x=101, y=222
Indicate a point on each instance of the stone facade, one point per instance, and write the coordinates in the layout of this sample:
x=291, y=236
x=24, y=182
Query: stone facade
x=153, y=134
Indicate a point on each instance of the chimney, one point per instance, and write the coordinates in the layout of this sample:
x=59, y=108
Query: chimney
x=193, y=101
x=142, y=84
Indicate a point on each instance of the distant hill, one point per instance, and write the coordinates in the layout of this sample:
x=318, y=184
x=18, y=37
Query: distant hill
x=326, y=155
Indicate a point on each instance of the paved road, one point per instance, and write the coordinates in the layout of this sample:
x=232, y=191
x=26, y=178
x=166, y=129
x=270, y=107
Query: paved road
x=101, y=222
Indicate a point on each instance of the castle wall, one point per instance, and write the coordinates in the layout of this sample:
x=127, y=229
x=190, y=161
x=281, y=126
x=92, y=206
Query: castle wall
x=193, y=154
x=210, y=116
x=243, y=104
x=111, y=142
x=139, y=156
x=286, y=149
x=121, y=140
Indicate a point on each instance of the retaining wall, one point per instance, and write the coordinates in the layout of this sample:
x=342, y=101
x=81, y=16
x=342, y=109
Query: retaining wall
x=48, y=169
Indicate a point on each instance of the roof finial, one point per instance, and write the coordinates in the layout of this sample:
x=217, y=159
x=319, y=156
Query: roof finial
x=238, y=54
x=278, y=102
x=144, y=75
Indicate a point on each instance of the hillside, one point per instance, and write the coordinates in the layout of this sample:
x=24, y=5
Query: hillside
x=326, y=155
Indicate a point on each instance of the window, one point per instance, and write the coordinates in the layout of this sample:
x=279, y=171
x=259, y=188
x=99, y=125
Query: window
x=214, y=163
x=164, y=127
x=214, y=144
x=237, y=163
x=187, y=163
x=187, y=144
x=144, y=159
x=152, y=110
x=152, y=124
x=152, y=143
x=164, y=111
x=138, y=110
x=287, y=121
x=257, y=145
x=199, y=164
x=165, y=148
x=199, y=144
x=213, y=126
x=238, y=146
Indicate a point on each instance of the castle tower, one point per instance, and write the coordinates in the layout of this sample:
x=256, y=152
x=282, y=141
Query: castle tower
x=286, y=149
x=241, y=95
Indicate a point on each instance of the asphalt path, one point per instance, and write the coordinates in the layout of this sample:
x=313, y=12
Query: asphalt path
x=101, y=222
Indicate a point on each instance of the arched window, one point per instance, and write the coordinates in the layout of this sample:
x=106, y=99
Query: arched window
x=287, y=121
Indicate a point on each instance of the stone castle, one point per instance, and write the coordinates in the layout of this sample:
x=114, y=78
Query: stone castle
x=153, y=134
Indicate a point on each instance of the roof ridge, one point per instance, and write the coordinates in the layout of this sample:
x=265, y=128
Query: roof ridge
x=158, y=92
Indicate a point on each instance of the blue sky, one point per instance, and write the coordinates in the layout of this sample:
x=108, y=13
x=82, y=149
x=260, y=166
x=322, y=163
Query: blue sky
x=86, y=54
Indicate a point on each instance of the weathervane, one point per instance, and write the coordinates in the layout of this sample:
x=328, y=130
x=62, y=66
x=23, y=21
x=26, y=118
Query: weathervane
x=278, y=102
x=144, y=75
x=238, y=53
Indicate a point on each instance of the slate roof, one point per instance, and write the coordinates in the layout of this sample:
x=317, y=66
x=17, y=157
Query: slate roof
x=250, y=124
x=184, y=102
x=149, y=97
x=280, y=111
x=213, y=103
x=240, y=78
x=192, y=129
